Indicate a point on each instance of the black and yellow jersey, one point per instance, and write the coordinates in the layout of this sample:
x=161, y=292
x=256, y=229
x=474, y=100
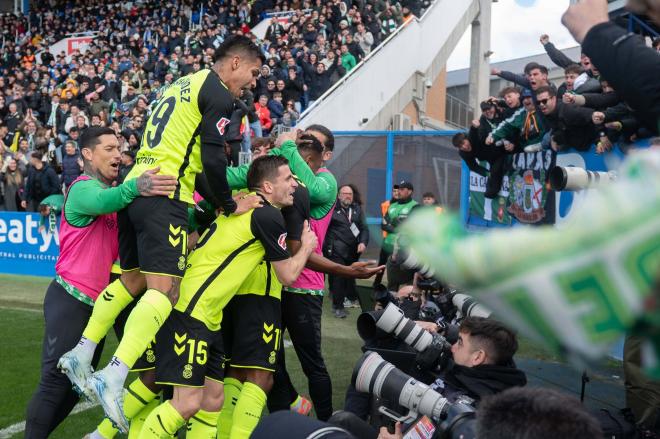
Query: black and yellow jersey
x=225, y=255
x=191, y=115
x=263, y=280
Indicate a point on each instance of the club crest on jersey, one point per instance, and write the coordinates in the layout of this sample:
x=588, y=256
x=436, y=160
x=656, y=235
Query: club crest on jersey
x=281, y=241
x=221, y=125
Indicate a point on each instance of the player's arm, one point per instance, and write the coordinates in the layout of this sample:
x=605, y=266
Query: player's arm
x=322, y=187
x=317, y=262
x=216, y=106
x=267, y=225
x=237, y=176
x=89, y=198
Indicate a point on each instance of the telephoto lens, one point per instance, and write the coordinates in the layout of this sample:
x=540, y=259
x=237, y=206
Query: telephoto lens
x=572, y=178
x=377, y=377
x=392, y=321
x=469, y=307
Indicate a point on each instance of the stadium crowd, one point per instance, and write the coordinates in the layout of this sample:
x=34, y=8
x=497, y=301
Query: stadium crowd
x=48, y=99
x=535, y=115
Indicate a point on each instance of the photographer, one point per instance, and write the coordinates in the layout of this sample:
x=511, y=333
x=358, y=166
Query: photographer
x=481, y=365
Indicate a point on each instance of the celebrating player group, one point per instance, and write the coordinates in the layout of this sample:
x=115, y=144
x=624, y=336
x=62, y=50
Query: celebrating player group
x=200, y=319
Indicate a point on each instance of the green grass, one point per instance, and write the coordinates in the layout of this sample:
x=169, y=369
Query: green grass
x=21, y=322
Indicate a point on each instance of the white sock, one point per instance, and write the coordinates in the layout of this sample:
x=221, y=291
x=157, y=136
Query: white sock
x=118, y=367
x=96, y=435
x=86, y=348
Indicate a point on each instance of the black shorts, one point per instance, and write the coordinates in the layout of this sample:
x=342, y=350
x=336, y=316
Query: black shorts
x=252, y=331
x=188, y=352
x=153, y=236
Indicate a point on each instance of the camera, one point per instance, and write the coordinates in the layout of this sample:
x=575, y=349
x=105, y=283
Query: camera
x=468, y=306
x=434, y=350
x=571, y=178
x=376, y=376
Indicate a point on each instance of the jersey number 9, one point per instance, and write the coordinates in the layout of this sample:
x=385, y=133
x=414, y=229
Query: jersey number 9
x=159, y=119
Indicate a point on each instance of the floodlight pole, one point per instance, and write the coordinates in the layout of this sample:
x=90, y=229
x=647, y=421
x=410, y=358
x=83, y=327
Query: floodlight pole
x=480, y=56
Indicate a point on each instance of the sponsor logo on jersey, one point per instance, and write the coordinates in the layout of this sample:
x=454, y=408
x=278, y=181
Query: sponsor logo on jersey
x=221, y=125
x=281, y=241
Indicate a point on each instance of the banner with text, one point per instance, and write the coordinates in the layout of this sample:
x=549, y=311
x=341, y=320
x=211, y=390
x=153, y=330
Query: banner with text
x=24, y=248
x=524, y=196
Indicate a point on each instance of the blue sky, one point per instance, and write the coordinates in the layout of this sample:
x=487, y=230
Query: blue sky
x=516, y=27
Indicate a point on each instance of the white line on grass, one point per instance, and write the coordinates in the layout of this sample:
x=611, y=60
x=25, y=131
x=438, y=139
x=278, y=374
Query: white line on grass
x=20, y=308
x=19, y=427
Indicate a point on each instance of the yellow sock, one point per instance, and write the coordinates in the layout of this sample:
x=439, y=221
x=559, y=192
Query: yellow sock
x=108, y=305
x=106, y=430
x=138, y=420
x=142, y=325
x=163, y=422
x=204, y=425
x=137, y=397
x=232, y=391
x=248, y=411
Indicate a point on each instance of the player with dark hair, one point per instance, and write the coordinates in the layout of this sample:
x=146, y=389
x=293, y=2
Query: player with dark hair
x=538, y=413
x=189, y=349
x=184, y=135
x=88, y=247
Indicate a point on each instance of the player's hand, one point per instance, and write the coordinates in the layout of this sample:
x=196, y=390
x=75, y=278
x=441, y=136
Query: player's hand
x=285, y=137
x=364, y=270
x=580, y=17
x=490, y=140
x=476, y=123
x=384, y=434
x=308, y=238
x=150, y=184
x=245, y=203
x=545, y=39
x=568, y=98
x=495, y=72
x=361, y=248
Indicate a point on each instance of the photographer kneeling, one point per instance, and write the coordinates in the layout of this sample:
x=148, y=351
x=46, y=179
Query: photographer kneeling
x=481, y=365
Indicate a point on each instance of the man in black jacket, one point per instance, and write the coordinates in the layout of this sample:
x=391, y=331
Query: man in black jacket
x=42, y=181
x=571, y=126
x=471, y=149
x=347, y=238
x=481, y=365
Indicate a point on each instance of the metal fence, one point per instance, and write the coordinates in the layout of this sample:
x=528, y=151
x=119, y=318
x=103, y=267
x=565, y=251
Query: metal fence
x=376, y=160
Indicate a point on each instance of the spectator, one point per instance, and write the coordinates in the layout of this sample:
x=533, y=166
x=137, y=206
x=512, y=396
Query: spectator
x=41, y=182
x=291, y=115
x=12, y=184
x=522, y=131
x=347, y=238
x=559, y=58
x=320, y=81
x=511, y=96
x=276, y=108
x=261, y=108
x=536, y=76
x=294, y=89
x=364, y=38
x=347, y=59
x=127, y=162
x=571, y=126
x=71, y=164
x=470, y=149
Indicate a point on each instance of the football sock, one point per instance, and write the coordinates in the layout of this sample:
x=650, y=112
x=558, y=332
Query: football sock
x=142, y=325
x=164, y=421
x=107, y=307
x=247, y=412
x=138, y=421
x=203, y=425
x=136, y=399
x=232, y=392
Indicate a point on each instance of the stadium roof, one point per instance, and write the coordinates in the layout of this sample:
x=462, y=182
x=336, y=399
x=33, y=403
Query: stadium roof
x=462, y=76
